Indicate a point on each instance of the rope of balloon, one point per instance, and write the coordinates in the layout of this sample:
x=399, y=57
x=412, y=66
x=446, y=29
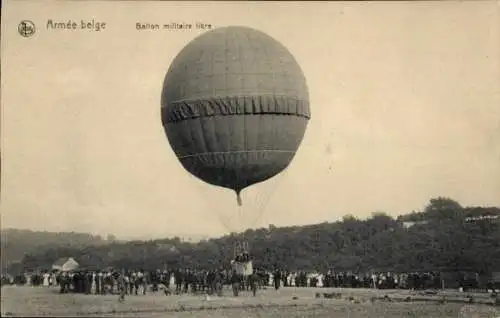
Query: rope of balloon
x=255, y=200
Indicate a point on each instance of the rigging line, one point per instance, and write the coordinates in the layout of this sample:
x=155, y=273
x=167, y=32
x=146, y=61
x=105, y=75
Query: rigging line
x=240, y=218
x=269, y=197
x=225, y=224
x=261, y=201
x=278, y=184
x=263, y=204
x=209, y=204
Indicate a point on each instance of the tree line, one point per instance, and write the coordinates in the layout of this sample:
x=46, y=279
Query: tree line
x=444, y=242
x=16, y=243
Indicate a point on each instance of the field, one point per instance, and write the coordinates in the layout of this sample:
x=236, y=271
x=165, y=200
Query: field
x=287, y=302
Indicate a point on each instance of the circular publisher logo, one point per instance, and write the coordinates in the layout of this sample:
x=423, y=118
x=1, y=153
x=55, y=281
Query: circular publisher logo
x=26, y=28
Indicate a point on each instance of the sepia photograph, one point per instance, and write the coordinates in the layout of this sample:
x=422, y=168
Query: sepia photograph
x=250, y=159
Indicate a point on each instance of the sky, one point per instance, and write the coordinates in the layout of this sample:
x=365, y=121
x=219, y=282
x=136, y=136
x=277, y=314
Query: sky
x=405, y=105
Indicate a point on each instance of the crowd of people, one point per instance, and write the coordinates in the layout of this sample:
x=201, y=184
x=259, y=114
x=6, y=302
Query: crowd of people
x=180, y=281
x=387, y=280
x=102, y=282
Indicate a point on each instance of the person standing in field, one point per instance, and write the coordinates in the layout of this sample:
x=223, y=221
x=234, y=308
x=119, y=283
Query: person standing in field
x=137, y=282
x=277, y=279
x=122, y=285
x=178, y=281
x=133, y=283
x=127, y=282
x=219, y=280
x=253, y=281
x=141, y=279
x=235, y=283
x=64, y=283
x=98, y=282
x=186, y=279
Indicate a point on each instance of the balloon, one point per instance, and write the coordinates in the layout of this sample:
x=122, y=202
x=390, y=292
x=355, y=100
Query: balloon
x=235, y=107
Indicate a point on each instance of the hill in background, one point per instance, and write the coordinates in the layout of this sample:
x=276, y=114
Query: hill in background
x=16, y=243
x=445, y=237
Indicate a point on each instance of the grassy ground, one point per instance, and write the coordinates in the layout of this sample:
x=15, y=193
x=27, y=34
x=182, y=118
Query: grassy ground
x=288, y=302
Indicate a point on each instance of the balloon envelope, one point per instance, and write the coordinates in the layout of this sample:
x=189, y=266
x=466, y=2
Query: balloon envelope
x=235, y=107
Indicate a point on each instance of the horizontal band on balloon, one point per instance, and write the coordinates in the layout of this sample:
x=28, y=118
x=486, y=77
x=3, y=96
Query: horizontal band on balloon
x=237, y=170
x=258, y=138
x=239, y=105
x=248, y=152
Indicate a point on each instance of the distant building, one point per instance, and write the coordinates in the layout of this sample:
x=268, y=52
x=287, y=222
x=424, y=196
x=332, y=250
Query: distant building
x=495, y=277
x=409, y=224
x=166, y=247
x=490, y=218
x=65, y=264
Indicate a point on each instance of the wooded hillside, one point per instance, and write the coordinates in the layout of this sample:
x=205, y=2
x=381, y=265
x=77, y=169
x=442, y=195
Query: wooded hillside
x=446, y=242
x=17, y=243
